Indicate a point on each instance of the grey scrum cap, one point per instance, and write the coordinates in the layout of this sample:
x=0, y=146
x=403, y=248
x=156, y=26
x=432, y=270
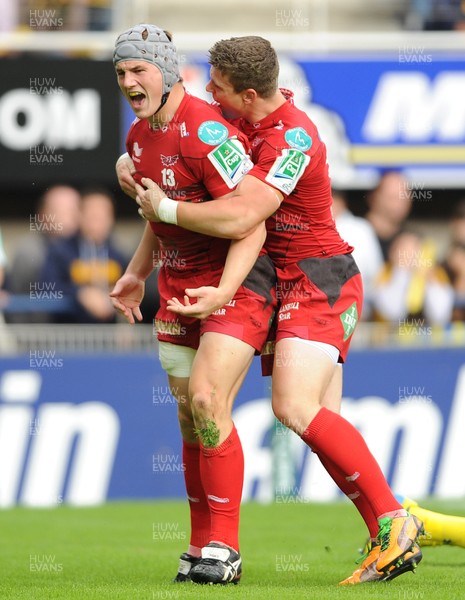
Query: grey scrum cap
x=151, y=44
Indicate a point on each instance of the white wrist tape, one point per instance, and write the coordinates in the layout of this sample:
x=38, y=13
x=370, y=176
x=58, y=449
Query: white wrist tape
x=167, y=210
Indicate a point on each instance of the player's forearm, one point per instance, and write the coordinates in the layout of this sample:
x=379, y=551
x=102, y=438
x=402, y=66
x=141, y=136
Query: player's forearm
x=235, y=217
x=232, y=218
x=240, y=260
x=146, y=255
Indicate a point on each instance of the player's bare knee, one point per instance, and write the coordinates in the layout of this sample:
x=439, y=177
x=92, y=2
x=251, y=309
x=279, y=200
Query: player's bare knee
x=282, y=409
x=207, y=402
x=202, y=404
x=288, y=414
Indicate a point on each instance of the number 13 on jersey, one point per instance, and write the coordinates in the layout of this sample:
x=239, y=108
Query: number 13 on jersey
x=167, y=177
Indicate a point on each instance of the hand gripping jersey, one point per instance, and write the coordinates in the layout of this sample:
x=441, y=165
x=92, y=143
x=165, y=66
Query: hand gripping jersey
x=289, y=155
x=196, y=156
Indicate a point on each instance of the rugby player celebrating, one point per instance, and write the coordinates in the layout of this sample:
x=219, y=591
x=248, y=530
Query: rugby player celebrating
x=193, y=154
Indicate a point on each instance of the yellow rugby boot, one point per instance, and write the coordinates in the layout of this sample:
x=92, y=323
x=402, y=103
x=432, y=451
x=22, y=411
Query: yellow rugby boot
x=440, y=529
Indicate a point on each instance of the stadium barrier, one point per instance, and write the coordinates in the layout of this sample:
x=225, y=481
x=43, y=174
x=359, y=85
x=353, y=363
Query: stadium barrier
x=87, y=417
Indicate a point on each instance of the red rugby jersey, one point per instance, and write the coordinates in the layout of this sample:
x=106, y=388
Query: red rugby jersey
x=197, y=156
x=289, y=155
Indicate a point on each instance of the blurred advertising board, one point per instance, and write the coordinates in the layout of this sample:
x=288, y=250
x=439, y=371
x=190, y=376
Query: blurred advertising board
x=375, y=111
x=83, y=429
x=59, y=121
x=62, y=120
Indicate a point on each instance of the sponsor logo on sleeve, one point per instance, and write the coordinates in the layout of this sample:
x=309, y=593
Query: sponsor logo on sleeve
x=231, y=161
x=287, y=170
x=298, y=138
x=212, y=132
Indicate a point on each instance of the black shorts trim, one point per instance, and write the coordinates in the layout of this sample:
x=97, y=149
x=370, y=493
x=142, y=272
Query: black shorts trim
x=262, y=278
x=330, y=274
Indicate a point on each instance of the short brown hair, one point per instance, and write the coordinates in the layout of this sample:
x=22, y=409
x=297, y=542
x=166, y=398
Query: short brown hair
x=248, y=62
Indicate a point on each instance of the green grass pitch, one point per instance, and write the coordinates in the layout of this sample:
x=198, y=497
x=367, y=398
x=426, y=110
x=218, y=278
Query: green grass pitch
x=129, y=551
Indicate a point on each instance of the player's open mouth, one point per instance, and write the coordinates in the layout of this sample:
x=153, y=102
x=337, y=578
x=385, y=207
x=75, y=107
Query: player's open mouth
x=136, y=99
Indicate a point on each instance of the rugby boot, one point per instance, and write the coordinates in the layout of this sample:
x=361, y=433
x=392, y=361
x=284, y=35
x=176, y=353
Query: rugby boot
x=219, y=565
x=186, y=562
x=396, y=537
x=368, y=572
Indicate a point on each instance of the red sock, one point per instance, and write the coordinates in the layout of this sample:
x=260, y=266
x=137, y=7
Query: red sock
x=222, y=471
x=335, y=438
x=352, y=492
x=198, y=505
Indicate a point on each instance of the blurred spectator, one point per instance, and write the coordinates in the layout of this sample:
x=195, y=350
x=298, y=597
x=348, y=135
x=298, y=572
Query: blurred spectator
x=457, y=223
x=57, y=217
x=82, y=269
x=436, y=15
x=359, y=233
x=389, y=205
x=455, y=266
x=412, y=286
x=455, y=261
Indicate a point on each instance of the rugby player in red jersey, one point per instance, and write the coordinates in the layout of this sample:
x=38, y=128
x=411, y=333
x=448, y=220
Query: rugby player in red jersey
x=186, y=147
x=320, y=285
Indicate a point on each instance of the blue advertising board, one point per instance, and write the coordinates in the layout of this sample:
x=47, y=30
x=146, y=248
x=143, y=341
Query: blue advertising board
x=83, y=429
x=375, y=111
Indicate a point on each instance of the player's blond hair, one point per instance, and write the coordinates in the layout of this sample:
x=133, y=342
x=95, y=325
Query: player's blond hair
x=248, y=62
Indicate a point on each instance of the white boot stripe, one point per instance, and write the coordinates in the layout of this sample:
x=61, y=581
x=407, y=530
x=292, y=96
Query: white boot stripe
x=215, y=553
